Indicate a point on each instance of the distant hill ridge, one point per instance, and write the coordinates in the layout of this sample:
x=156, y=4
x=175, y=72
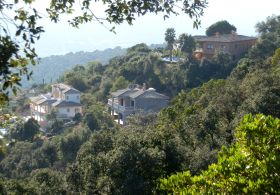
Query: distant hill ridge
x=50, y=68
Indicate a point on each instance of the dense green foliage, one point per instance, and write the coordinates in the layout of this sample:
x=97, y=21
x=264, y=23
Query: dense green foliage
x=250, y=165
x=221, y=27
x=24, y=130
x=96, y=156
x=24, y=157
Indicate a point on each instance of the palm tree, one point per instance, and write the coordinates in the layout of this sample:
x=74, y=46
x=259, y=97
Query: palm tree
x=170, y=39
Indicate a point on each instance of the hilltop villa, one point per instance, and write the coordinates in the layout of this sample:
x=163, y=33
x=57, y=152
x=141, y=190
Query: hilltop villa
x=65, y=100
x=232, y=44
x=135, y=99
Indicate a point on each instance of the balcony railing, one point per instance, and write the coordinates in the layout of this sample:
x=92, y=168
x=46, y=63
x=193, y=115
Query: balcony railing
x=119, y=108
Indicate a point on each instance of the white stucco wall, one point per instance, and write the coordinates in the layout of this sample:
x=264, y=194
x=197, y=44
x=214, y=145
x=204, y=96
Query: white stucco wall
x=71, y=113
x=72, y=97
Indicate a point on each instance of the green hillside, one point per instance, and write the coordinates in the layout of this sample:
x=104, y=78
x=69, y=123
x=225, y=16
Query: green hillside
x=214, y=137
x=143, y=65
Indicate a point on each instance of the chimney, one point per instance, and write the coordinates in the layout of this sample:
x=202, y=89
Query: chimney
x=217, y=34
x=144, y=87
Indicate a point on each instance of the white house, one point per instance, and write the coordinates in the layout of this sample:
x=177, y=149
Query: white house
x=64, y=99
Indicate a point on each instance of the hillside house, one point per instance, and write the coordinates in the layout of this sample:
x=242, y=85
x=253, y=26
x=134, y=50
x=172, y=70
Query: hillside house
x=64, y=99
x=232, y=44
x=133, y=100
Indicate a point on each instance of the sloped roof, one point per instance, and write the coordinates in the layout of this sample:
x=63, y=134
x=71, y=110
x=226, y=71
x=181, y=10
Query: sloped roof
x=119, y=92
x=223, y=38
x=36, y=99
x=49, y=101
x=149, y=94
x=71, y=90
x=125, y=92
x=63, y=103
x=66, y=88
x=136, y=92
x=61, y=85
x=42, y=99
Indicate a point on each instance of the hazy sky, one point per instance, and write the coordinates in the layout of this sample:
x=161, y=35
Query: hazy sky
x=61, y=38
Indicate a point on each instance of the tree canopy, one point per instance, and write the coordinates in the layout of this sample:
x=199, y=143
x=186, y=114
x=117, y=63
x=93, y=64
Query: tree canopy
x=170, y=37
x=222, y=27
x=187, y=43
x=251, y=165
x=272, y=24
x=269, y=39
x=24, y=131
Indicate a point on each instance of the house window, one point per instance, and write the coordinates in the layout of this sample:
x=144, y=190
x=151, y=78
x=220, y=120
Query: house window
x=132, y=103
x=68, y=109
x=67, y=97
x=121, y=101
x=210, y=46
x=78, y=97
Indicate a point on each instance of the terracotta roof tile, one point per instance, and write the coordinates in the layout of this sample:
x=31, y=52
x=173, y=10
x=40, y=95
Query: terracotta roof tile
x=223, y=38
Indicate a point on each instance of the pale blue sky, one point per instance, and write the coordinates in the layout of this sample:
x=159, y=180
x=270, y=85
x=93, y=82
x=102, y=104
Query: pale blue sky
x=61, y=39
